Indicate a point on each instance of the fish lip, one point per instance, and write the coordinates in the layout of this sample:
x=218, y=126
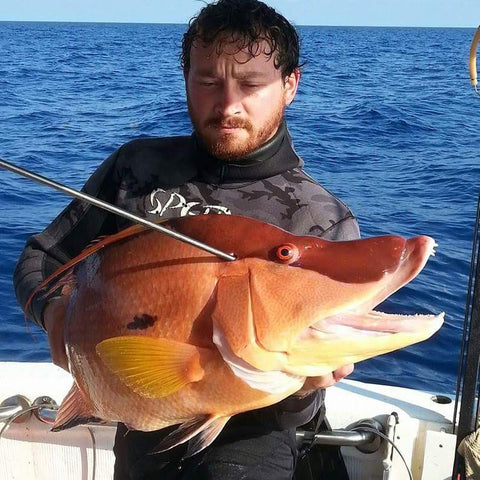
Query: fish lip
x=390, y=323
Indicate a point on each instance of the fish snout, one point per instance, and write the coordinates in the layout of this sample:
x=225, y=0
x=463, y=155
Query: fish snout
x=415, y=255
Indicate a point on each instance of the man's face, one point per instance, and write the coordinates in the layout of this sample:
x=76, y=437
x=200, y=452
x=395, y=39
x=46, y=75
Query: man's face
x=236, y=102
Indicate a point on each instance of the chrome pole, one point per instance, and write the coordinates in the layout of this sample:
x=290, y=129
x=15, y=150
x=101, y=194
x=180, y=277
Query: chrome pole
x=113, y=209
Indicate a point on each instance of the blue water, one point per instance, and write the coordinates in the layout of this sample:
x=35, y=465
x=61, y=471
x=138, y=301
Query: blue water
x=384, y=117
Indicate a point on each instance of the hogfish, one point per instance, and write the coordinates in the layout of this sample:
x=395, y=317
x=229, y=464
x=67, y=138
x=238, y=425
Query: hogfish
x=160, y=333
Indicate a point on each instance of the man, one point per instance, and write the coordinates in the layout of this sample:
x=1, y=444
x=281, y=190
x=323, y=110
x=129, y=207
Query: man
x=241, y=67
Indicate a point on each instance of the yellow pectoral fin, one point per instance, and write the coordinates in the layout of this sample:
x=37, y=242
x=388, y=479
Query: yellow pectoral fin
x=152, y=367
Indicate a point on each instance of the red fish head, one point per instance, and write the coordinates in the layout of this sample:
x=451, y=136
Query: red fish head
x=304, y=305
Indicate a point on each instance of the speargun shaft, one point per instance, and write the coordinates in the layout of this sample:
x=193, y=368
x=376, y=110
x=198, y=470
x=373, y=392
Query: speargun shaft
x=113, y=209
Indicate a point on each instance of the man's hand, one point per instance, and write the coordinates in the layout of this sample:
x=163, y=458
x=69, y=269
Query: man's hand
x=314, y=383
x=54, y=321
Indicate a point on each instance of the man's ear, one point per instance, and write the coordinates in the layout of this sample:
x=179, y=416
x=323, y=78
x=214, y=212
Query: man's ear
x=291, y=85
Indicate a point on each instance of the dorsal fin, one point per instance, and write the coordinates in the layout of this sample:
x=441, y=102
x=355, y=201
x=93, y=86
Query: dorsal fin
x=92, y=248
x=64, y=280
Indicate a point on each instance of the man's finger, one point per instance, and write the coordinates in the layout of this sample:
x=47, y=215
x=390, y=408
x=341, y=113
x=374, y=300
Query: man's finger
x=342, y=372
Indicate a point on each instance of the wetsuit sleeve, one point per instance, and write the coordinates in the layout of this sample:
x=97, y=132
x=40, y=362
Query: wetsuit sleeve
x=314, y=210
x=65, y=238
x=333, y=220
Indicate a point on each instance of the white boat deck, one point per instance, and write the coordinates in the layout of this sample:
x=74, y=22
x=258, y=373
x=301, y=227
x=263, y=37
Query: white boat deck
x=419, y=426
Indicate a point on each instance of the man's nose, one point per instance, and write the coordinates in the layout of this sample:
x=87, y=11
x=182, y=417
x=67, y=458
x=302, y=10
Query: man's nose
x=229, y=102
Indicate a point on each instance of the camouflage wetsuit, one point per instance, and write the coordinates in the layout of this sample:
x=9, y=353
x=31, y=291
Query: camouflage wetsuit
x=171, y=177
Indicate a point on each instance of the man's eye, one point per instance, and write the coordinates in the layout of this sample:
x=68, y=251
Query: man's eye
x=206, y=84
x=251, y=85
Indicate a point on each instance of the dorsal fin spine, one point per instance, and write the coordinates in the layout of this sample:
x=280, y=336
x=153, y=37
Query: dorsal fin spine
x=64, y=269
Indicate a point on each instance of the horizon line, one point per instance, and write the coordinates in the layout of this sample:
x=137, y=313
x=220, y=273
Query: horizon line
x=186, y=24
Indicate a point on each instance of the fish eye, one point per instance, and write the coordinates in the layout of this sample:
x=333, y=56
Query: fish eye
x=288, y=253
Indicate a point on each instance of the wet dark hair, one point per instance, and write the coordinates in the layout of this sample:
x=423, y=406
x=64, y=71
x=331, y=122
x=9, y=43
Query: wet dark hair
x=244, y=23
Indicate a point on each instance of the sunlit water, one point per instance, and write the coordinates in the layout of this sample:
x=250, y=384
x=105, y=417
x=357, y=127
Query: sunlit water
x=384, y=118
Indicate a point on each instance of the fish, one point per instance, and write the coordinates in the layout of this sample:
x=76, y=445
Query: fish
x=160, y=333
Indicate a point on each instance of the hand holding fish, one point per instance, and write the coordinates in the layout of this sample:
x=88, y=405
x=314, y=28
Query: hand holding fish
x=183, y=337
x=316, y=383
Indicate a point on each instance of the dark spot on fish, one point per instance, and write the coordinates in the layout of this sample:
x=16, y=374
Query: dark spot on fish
x=141, y=322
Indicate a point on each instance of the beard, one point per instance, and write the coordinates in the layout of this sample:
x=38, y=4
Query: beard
x=234, y=146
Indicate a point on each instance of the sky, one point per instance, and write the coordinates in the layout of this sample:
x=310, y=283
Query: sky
x=416, y=13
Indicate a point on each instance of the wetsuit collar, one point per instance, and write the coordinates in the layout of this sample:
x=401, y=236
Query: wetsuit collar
x=274, y=157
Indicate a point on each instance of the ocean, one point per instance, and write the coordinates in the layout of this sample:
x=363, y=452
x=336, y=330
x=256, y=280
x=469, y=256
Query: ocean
x=384, y=117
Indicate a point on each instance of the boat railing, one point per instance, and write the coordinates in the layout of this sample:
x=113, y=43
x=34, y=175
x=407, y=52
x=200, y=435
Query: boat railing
x=363, y=435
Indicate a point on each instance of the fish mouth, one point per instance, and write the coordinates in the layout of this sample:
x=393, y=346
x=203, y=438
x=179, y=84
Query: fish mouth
x=350, y=337
x=374, y=323
x=361, y=319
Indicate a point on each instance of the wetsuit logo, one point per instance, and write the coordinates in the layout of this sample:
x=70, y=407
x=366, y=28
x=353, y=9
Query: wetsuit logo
x=173, y=204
